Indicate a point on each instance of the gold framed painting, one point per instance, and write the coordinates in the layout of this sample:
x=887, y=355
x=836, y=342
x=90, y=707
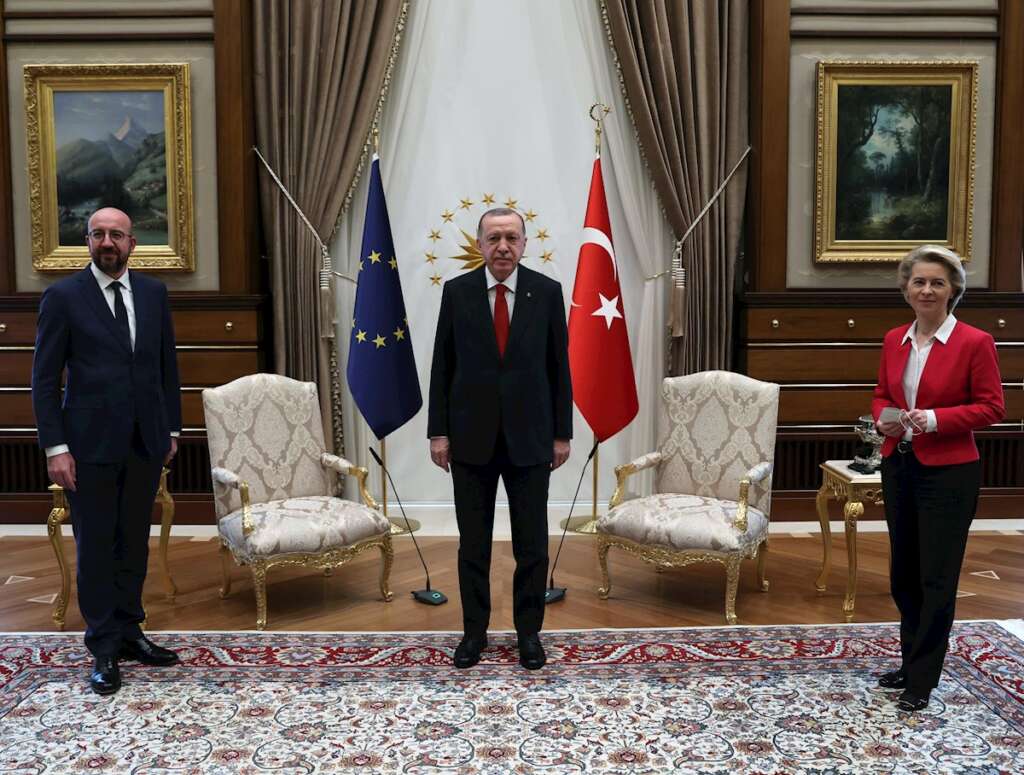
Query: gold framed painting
x=110, y=136
x=895, y=158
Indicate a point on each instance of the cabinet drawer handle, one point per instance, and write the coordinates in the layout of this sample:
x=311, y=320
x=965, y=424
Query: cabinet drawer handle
x=775, y=323
x=1001, y=323
x=229, y=326
x=851, y=323
x=3, y=328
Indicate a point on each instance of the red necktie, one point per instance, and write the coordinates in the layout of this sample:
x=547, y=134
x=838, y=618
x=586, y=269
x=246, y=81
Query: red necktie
x=500, y=317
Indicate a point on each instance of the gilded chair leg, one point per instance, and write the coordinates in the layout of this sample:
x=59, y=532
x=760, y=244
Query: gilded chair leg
x=163, y=496
x=259, y=582
x=225, y=570
x=57, y=516
x=387, y=558
x=762, y=553
x=732, y=582
x=602, y=558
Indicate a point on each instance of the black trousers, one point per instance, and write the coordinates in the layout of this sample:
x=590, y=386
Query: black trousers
x=475, y=489
x=929, y=510
x=110, y=514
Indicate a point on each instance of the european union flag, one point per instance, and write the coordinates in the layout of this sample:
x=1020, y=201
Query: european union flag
x=381, y=367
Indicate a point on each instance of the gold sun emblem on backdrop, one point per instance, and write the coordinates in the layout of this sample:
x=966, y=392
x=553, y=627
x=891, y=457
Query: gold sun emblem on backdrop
x=454, y=238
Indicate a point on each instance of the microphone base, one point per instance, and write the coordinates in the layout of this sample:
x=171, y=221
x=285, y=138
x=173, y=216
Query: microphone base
x=554, y=595
x=429, y=597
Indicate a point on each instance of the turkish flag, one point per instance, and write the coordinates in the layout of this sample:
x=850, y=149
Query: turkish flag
x=603, y=384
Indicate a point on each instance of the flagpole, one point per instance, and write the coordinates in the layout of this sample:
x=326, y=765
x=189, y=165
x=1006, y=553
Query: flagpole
x=587, y=525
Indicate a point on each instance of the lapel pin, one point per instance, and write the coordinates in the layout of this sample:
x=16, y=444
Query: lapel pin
x=528, y=294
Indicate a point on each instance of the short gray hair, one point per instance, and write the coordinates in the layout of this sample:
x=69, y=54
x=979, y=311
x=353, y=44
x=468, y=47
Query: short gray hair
x=494, y=213
x=935, y=254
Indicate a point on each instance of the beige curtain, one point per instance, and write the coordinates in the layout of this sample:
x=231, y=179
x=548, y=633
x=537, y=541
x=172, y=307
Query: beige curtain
x=684, y=72
x=320, y=68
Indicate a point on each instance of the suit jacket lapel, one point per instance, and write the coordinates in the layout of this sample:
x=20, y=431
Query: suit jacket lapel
x=523, y=309
x=936, y=364
x=94, y=296
x=480, y=309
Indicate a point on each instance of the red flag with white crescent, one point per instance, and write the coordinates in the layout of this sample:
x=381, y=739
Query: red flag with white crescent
x=603, y=383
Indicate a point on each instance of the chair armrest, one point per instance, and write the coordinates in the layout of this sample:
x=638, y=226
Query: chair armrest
x=626, y=470
x=342, y=466
x=757, y=474
x=230, y=479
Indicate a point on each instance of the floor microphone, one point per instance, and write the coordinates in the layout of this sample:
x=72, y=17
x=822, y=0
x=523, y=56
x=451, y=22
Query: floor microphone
x=428, y=596
x=555, y=594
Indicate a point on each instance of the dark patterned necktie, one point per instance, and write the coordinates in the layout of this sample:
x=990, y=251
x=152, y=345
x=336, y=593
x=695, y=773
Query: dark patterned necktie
x=121, y=312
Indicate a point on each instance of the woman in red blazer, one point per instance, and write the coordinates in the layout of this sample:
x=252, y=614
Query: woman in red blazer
x=940, y=378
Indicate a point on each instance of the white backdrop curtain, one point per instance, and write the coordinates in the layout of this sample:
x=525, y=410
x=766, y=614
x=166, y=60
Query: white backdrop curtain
x=491, y=97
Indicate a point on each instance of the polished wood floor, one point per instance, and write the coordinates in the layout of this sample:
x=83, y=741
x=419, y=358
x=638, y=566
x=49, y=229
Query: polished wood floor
x=348, y=600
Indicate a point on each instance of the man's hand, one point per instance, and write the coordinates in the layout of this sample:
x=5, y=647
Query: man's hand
x=439, y=452
x=172, y=451
x=561, y=453
x=61, y=469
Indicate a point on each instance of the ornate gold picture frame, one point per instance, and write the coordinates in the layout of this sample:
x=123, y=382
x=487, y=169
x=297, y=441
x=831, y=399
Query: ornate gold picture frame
x=895, y=158
x=110, y=135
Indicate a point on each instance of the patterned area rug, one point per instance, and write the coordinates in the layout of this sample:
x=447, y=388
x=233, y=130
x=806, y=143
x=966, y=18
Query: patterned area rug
x=723, y=700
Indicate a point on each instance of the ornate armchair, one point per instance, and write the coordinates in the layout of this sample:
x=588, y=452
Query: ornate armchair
x=273, y=485
x=712, y=484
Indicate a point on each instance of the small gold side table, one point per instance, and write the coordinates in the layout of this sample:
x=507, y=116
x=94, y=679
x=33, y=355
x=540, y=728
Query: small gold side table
x=60, y=513
x=840, y=482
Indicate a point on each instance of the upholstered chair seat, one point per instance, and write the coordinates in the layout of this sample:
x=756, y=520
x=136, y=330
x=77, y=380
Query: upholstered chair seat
x=310, y=524
x=275, y=486
x=683, y=522
x=713, y=472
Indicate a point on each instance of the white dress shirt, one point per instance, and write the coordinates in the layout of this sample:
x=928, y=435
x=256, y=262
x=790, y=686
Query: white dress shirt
x=510, y=294
x=915, y=367
x=109, y=295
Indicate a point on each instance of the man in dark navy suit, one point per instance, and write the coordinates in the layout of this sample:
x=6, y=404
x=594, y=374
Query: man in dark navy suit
x=107, y=440
x=501, y=406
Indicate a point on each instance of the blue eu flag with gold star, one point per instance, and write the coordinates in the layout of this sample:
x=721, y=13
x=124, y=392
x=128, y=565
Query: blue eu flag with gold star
x=381, y=367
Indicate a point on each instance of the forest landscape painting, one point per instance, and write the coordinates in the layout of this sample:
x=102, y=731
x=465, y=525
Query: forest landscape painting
x=895, y=158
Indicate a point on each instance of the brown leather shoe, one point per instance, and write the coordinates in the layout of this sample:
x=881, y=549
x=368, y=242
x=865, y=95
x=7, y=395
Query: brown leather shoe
x=148, y=653
x=106, y=676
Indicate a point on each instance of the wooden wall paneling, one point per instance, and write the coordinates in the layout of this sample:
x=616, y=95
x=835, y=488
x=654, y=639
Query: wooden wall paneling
x=7, y=277
x=201, y=366
x=856, y=363
x=769, y=136
x=236, y=163
x=1008, y=165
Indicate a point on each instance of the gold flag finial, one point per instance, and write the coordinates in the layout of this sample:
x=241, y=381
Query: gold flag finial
x=598, y=121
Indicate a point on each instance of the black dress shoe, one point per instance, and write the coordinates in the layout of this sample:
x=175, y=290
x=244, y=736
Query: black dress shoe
x=897, y=679
x=531, y=653
x=467, y=653
x=912, y=700
x=147, y=652
x=105, y=677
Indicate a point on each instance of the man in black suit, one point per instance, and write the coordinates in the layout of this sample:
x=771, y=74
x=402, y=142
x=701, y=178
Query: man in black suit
x=116, y=427
x=501, y=406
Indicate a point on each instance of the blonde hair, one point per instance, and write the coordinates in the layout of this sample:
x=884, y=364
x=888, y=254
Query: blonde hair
x=935, y=254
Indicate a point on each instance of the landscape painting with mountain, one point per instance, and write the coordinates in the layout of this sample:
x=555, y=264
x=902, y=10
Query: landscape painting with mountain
x=111, y=151
x=893, y=162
